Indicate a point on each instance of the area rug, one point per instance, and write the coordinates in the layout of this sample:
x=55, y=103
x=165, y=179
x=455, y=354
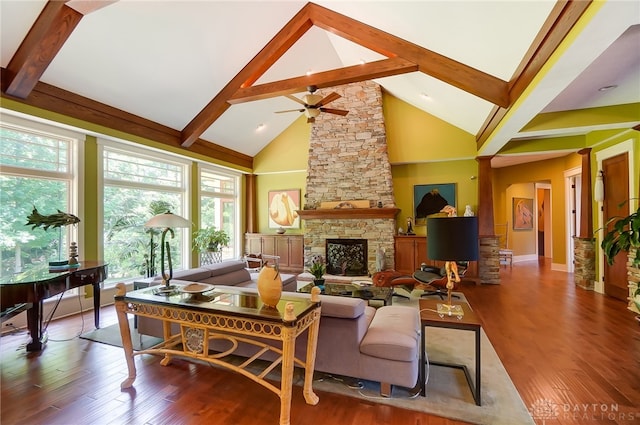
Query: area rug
x=111, y=335
x=448, y=393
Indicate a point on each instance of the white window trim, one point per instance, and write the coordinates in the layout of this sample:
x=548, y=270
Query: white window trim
x=235, y=196
x=125, y=147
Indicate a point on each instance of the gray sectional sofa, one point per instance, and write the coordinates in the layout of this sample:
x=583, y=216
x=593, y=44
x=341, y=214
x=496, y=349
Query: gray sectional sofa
x=355, y=339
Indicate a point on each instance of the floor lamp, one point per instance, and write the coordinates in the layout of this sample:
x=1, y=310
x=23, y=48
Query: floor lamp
x=452, y=239
x=166, y=220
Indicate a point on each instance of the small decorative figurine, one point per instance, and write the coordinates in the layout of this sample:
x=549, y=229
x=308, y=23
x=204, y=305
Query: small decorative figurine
x=410, y=226
x=468, y=212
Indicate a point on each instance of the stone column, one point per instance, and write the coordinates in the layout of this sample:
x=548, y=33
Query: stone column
x=489, y=261
x=634, y=280
x=584, y=273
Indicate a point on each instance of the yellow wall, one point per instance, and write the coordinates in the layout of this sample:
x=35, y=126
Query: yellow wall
x=288, y=151
x=282, y=165
x=459, y=172
x=414, y=136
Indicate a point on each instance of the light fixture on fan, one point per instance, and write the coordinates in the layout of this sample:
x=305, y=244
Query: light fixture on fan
x=314, y=104
x=311, y=113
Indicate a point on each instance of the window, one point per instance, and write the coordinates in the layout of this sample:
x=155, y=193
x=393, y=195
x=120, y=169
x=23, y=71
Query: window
x=138, y=184
x=219, y=205
x=37, y=170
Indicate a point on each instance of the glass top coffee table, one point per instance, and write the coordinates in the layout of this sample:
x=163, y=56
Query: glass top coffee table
x=368, y=293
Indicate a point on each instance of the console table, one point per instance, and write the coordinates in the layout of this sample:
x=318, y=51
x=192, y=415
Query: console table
x=27, y=291
x=234, y=315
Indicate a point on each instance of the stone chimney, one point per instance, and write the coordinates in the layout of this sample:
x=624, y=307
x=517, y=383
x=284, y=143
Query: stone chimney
x=348, y=161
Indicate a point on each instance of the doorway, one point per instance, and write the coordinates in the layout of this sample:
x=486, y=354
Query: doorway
x=543, y=207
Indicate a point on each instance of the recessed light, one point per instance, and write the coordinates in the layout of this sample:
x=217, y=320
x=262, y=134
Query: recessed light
x=260, y=127
x=362, y=61
x=425, y=96
x=607, y=88
x=309, y=72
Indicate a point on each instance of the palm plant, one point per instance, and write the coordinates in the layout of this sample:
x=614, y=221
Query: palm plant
x=623, y=237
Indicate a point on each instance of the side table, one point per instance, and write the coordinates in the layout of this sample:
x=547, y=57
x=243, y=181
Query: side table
x=468, y=322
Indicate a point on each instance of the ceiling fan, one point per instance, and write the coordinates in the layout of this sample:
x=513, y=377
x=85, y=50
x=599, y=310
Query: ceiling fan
x=314, y=104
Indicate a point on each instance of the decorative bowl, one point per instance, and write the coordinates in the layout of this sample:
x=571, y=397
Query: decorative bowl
x=196, y=288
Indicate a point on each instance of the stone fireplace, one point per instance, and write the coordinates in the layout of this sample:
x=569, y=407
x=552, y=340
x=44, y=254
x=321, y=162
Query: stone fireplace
x=348, y=161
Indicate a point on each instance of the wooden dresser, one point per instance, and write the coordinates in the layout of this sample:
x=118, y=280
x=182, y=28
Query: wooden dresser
x=290, y=248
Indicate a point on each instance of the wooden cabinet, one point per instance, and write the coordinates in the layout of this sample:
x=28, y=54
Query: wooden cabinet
x=290, y=249
x=411, y=252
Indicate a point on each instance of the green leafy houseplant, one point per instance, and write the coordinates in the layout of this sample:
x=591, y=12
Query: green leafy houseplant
x=624, y=236
x=317, y=268
x=210, y=239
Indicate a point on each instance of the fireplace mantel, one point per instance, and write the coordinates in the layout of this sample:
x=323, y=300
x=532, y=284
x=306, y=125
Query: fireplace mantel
x=348, y=213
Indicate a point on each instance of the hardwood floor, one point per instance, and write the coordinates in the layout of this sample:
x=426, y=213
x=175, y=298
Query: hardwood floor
x=573, y=350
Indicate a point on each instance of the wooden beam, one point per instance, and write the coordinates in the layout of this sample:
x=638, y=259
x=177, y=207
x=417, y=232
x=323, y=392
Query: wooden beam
x=269, y=54
x=562, y=18
x=88, y=6
x=431, y=63
x=336, y=77
x=59, y=101
x=44, y=40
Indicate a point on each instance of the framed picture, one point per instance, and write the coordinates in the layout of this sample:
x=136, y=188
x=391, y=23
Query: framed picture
x=522, y=214
x=430, y=199
x=283, y=205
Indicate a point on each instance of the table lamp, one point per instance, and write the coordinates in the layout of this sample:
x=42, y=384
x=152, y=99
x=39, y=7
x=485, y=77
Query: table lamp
x=166, y=220
x=452, y=239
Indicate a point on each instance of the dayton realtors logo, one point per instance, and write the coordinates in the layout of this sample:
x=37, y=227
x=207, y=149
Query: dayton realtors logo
x=544, y=411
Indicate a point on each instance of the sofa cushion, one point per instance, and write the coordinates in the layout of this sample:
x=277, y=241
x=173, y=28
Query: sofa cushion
x=393, y=334
x=233, y=277
x=342, y=307
x=192, y=275
x=225, y=267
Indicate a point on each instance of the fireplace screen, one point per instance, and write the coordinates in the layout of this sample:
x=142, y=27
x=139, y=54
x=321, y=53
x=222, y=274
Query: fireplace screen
x=347, y=257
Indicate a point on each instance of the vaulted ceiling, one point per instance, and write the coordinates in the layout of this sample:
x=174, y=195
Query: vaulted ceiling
x=204, y=75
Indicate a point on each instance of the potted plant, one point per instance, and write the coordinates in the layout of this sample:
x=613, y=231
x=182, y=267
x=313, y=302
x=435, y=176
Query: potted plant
x=210, y=239
x=624, y=236
x=317, y=269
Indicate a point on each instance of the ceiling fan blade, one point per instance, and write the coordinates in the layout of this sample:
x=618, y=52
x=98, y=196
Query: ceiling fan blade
x=290, y=110
x=311, y=120
x=335, y=111
x=328, y=98
x=295, y=99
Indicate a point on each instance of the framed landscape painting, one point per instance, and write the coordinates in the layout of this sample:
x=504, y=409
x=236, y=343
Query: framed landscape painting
x=522, y=213
x=283, y=205
x=430, y=199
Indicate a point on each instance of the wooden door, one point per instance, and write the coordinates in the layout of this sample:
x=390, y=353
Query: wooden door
x=616, y=191
x=282, y=250
x=253, y=243
x=296, y=252
x=269, y=245
x=404, y=258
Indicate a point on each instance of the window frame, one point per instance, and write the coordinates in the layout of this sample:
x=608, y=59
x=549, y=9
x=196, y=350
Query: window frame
x=73, y=177
x=148, y=153
x=235, y=196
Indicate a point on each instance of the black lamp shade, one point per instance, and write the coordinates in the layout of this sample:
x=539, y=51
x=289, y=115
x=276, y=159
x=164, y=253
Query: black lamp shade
x=452, y=238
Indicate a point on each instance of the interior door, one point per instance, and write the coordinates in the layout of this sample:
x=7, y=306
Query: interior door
x=616, y=191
